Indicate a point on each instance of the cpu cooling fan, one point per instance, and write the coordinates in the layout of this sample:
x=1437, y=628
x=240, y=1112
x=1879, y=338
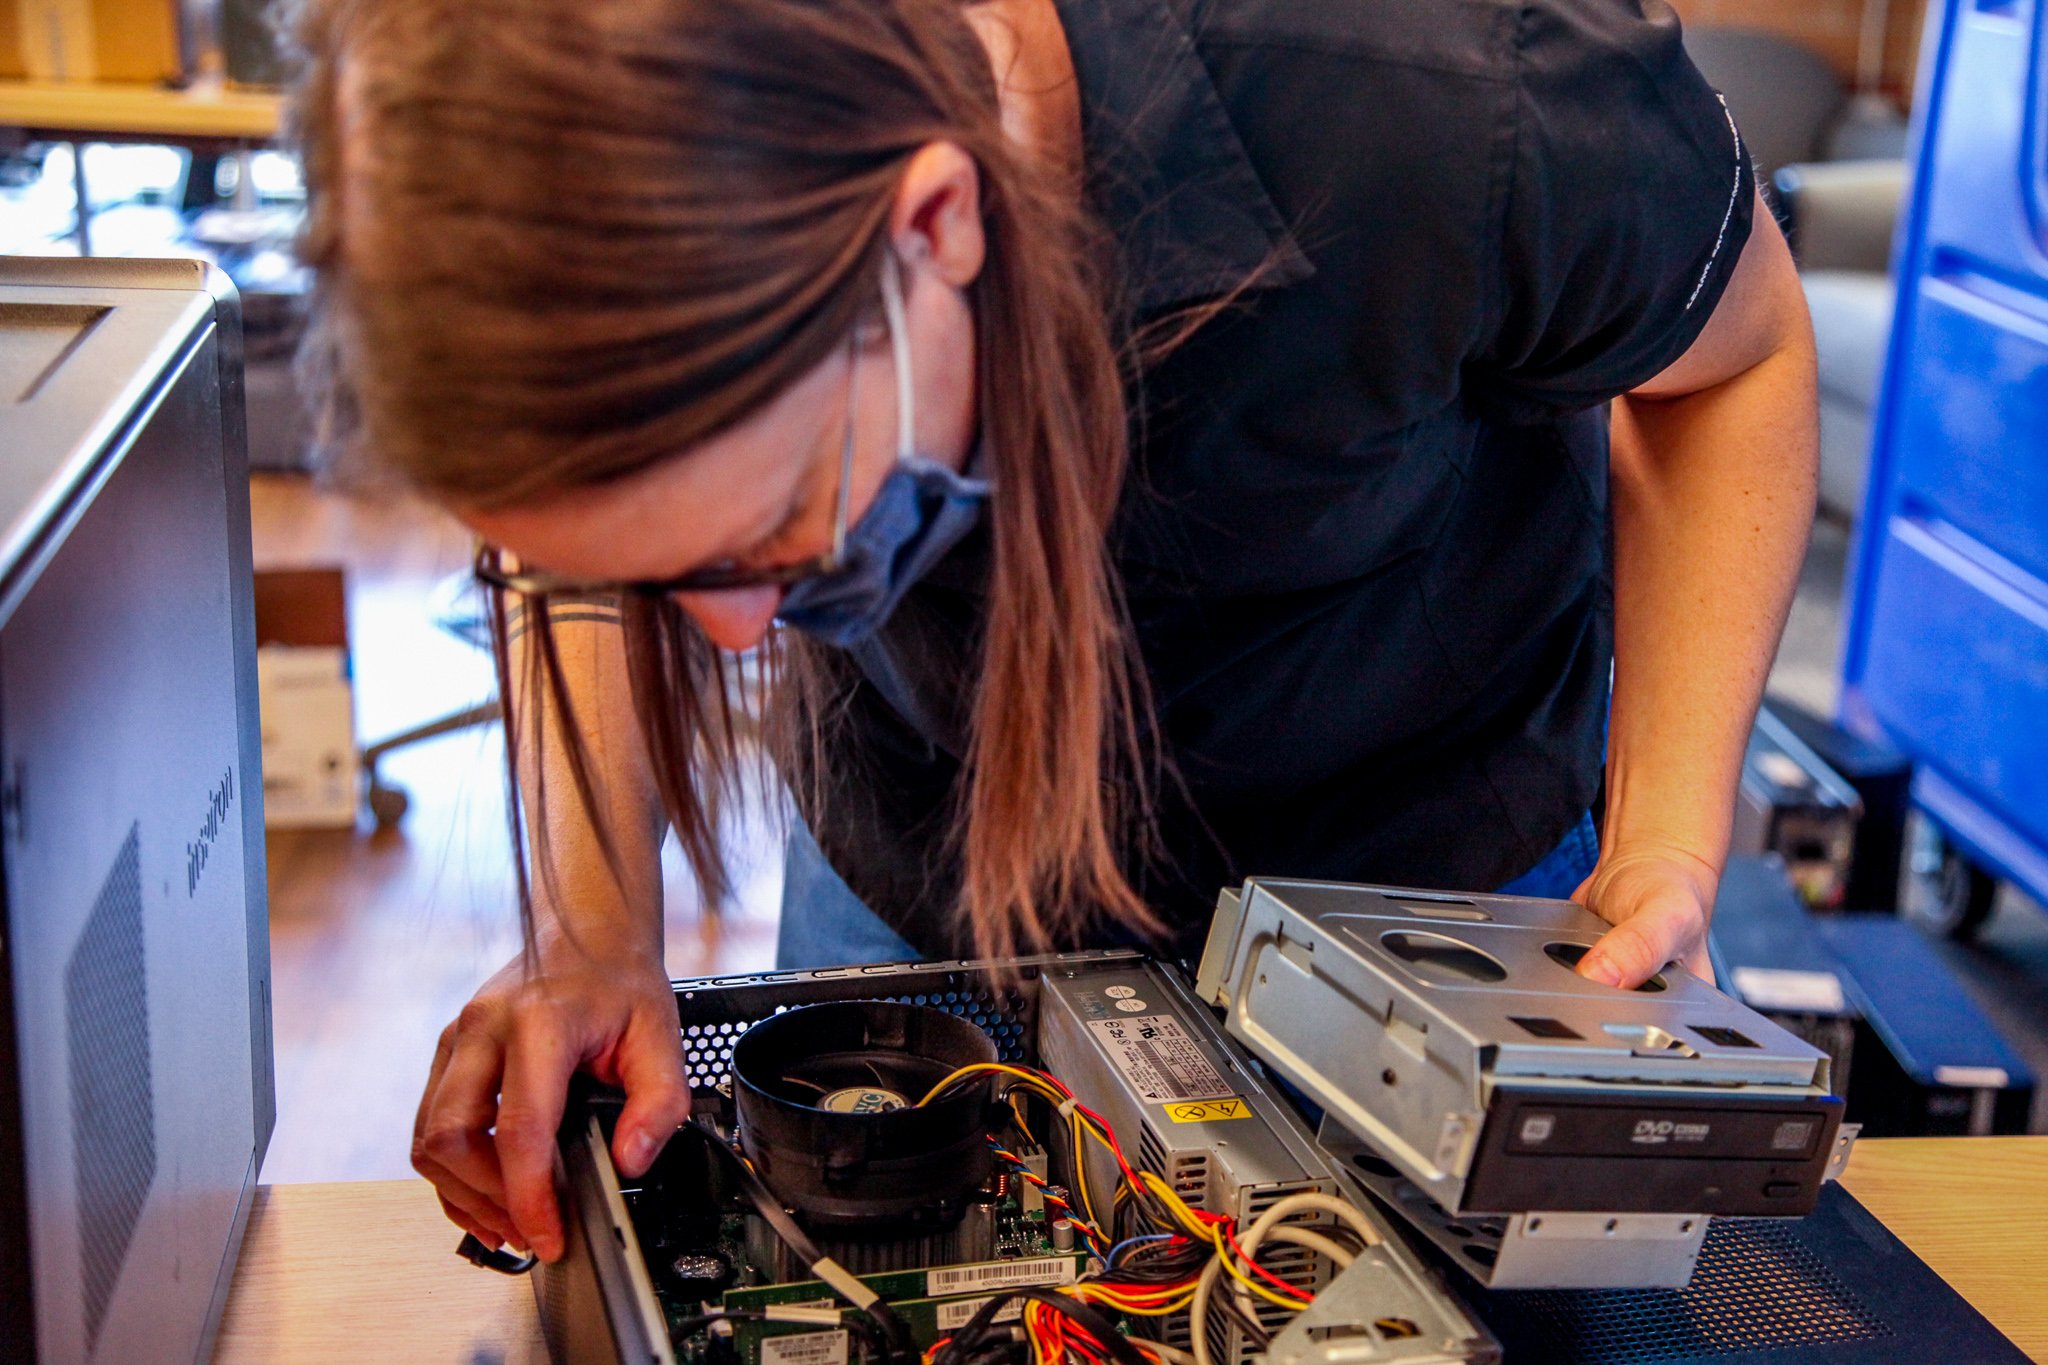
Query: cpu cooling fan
x=827, y=1100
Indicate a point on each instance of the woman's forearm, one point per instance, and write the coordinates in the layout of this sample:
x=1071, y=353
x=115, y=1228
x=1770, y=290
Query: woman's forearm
x=1713, y=496
x=576, y=893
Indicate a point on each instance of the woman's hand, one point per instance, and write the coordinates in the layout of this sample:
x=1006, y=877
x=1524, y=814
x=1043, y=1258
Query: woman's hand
x=1658, y=899
x=485, y=1135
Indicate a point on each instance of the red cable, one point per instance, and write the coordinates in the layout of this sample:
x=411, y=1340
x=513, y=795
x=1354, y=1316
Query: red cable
x=1230, y=1235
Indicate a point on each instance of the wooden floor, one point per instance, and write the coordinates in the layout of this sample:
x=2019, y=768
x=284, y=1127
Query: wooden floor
x=377, y=939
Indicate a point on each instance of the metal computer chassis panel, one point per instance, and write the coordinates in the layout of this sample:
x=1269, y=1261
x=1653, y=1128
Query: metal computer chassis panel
x=1790, y=802
x=1587, y=1131
x=598, y=1304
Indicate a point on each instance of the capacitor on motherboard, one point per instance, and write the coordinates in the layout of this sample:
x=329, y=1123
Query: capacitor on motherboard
x=1059, y=1225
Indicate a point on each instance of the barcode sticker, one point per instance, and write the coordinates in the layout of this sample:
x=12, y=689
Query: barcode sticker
x=957, y=1313
x=972, y=1279
x=1159, y=1058
x=805, y=1348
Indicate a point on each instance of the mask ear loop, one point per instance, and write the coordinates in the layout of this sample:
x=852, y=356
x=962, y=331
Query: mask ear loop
x=899, y=350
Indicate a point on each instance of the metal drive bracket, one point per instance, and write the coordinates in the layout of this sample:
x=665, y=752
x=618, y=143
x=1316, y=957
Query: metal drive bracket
x=1845, y=1143
x=1351, y=1320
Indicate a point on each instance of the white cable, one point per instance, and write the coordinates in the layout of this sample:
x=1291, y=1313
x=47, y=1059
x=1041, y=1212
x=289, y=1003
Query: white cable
x=1344, y=1211
x=1264, y=1227
x=1314, y=1241
x=899, y=352
x=1198, y=1310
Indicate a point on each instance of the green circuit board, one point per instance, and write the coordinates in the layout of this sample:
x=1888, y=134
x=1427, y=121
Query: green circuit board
x=932, y=1300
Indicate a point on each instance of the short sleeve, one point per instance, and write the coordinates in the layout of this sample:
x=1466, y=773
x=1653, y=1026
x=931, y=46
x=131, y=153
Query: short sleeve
x=1628, y=201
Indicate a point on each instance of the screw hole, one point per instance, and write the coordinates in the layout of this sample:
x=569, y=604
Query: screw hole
x=1387, y=1077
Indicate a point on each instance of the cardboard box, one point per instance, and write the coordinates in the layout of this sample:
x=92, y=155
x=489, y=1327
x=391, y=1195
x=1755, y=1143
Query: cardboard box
x=304, y=686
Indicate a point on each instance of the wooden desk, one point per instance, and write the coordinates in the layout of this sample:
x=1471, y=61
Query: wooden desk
x=85, y=111
x=367, y=1272
x=1974, y=1209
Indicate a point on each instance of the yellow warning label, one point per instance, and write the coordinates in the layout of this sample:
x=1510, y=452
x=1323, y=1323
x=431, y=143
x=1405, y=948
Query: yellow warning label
x=1209, y=1111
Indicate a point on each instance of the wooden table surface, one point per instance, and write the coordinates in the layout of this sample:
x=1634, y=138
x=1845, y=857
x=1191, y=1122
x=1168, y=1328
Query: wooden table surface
x=366, y=1272
x=82, y=109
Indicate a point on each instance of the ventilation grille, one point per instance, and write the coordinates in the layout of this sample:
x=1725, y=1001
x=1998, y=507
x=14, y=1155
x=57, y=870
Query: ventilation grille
x=1296, y=1265
x=113, y=1127
x=1227, y=1340
x=1757, y=1288
x=1186, y=1172
x=707, y=1045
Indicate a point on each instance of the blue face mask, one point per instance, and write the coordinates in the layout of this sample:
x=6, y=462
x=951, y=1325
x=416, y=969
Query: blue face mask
x=922, y=510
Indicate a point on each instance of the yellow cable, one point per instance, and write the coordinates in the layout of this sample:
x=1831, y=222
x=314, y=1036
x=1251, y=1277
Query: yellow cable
x=1175, y=1205
x=1017, y=1112
x=1037, y=1083
x=1213, y=1235
x=1081, y=1169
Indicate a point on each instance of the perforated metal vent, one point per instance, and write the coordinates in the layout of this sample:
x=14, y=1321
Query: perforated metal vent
x=1756, y=1288
x=707, y=1050
x=1187, y=1172
x=1296, y=1265
x=997, y=1018
x=708, y=1041
x=113, y=1126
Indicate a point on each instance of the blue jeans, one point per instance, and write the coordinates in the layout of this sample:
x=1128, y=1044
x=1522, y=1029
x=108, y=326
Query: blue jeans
x=825, y=925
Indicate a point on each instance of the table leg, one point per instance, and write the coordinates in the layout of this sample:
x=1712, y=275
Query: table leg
x=84, y=231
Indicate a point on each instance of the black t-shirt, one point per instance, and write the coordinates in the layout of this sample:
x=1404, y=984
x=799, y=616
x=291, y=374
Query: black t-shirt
x=1364, y=538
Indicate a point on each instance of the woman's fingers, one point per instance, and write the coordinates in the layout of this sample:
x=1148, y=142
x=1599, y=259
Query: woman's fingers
x=538, y=1063
x=472, y=1212
x=462, y=1112
x=444, y=1047
x=486, y=1129
x=1659, y=912
x=461, y=1217
x=650, y=1066
x=1631, y=952
x=451, y=1144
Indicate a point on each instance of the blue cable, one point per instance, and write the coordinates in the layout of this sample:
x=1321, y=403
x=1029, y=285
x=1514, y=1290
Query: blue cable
x=1118, y=1249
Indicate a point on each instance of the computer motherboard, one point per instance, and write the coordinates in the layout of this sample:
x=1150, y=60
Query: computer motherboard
x=727, y=1262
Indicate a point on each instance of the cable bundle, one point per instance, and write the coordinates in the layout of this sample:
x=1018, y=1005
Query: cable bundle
x=1175, y=1266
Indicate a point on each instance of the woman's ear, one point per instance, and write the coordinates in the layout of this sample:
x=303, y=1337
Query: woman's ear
x=936, y=223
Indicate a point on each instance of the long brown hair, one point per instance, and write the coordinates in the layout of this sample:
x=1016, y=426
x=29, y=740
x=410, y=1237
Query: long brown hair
x=575, y=237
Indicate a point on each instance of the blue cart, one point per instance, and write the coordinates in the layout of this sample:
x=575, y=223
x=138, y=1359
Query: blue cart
x=1947, y=650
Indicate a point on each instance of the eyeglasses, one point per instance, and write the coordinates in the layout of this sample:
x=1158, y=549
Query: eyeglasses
x=722, y=576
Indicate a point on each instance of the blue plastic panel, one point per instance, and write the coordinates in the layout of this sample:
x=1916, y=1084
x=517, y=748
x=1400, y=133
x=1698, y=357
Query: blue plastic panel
x=1977, y=394
x=1982, y=139
x=1959, y=665
x=1947, y=651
